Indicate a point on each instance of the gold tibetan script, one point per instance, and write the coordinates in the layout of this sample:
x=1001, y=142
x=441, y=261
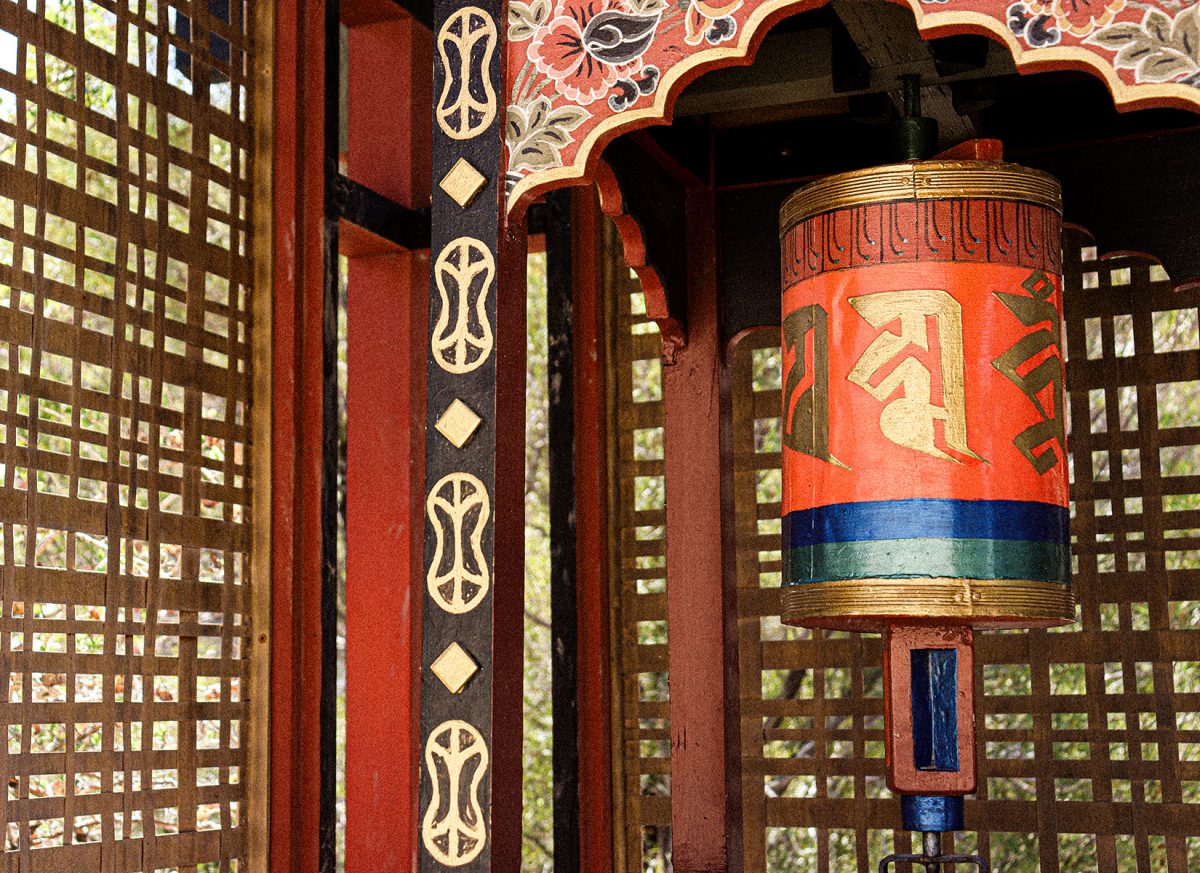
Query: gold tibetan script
x=1045, y=343
x=908, y=420
x=806, y=406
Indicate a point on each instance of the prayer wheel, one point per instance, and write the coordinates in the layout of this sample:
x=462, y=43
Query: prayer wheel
x=924, y=435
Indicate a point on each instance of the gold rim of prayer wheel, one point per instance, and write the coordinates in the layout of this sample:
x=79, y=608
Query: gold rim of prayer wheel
x=921, y=180
x=868, y=604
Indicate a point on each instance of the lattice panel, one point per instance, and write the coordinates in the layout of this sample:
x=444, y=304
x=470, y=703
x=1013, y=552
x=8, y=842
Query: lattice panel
x=1089, y=736
x=125, y=282
x=640, y=583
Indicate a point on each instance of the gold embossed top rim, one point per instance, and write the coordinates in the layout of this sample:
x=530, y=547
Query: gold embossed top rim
x=921, y=180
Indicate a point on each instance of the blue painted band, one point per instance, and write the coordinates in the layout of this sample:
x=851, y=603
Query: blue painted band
x=927, y=517
x=931, y=814
x=927, y=558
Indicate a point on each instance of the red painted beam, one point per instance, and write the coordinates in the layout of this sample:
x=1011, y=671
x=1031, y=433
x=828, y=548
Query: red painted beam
x=700, y=819
x=296, y=438
x=591, y=541
x=385, y=460
x=389, y=124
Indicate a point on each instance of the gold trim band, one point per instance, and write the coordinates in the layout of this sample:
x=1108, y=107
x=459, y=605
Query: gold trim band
x=921, y=180
x=867, y=604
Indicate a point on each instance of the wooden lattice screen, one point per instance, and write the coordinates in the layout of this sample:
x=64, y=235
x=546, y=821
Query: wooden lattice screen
x=639, y=574
x=126, y=286
x=1089, y=737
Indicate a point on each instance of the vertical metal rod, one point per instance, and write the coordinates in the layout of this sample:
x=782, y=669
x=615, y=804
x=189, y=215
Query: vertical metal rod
x=932, y=846
x=912, y=95
x=327, y=741
x=564, y=660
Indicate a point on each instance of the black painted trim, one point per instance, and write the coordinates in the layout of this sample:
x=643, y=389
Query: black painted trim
x=327, y=736
x=560, y=420
x=380, y=215
x=418, y=10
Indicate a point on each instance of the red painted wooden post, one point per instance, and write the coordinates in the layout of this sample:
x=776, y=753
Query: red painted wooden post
x=700, y=820
x=296, y=438
x=591, y=548
x=388, y=151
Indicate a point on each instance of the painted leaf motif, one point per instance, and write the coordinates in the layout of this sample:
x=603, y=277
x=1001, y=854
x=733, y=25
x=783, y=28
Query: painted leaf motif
x=515, y=127
x=1163, y=65
x=1185, y=33
x=1117, y=36
x=1158, y=25
x=536, y=132
x=554, y=136
x=1134, y=53
x=538, y=114
x=525, y=18
x=537, y=155
x=568, y=117
x=1161, y=49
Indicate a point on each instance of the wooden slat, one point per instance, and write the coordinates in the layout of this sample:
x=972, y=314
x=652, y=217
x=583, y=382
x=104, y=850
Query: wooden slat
x=134, y=363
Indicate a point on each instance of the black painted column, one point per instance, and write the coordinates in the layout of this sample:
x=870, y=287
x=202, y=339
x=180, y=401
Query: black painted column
x=470, y=796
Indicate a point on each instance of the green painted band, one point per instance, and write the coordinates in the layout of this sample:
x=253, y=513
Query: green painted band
x=933, y=558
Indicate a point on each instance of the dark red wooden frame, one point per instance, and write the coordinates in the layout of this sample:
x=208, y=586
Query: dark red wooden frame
x=389, y=54
x=296, y=438
x=388, y=150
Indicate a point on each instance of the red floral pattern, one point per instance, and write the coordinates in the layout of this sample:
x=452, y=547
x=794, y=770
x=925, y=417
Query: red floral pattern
x=604, y=58
x=558, y=51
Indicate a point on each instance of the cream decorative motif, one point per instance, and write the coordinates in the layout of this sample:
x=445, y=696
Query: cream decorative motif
x=466, y=43
x=456, y=758
x=463, y=183
x=457, y=423
x=462, y=335
x=458, y=508
x=454, y=668
x=908, y=420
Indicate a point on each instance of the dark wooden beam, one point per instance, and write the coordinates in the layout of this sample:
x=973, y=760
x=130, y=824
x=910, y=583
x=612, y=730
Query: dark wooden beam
x=887, y=37
x=564, y=628
x=419, y=10
x=804, y=72
x=382, y=216
x=789, y=68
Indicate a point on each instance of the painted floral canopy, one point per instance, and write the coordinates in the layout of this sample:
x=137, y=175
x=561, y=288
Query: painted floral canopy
x=581, y=71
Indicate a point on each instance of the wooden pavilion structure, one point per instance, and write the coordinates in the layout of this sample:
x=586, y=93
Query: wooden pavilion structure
x=178, y=181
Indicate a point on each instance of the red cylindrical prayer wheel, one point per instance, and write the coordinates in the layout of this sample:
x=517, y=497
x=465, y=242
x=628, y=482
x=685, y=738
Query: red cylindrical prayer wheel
x=924, y=434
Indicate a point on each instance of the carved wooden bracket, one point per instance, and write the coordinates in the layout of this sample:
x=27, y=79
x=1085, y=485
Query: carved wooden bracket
x=633, y=241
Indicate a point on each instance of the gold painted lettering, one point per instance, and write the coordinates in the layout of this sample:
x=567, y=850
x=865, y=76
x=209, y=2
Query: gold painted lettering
x=1046, y=344
x=806, y=385
x=908, y=420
